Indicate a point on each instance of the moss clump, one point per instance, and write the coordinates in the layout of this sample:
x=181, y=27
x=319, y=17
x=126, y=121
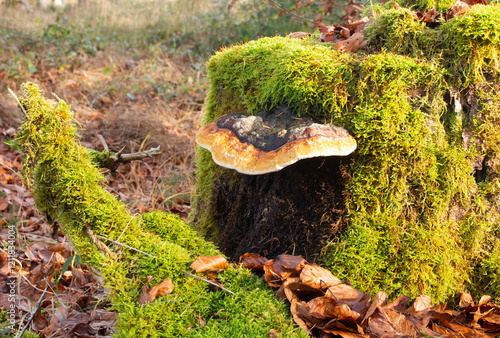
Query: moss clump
x=70, y=188
x=397, y=30
x=422, y=216
x=425, y=5
x=467, y=46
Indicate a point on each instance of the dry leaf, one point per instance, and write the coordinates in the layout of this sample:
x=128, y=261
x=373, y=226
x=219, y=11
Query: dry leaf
x=164, y=288
x=209, y=263
x=148, y=295
x=253, y=261
x=318, y=277
x=466, y=300
x=325, y=307
x=400, y=304
x=296, y=318
x=288, y=266
x=421, y=303
x=350, y=45
x=343, y=293
x=390, y=324
x=298, y=35
x=484, y=300
x=280, y=14
x=379, y=300
x=56, y=248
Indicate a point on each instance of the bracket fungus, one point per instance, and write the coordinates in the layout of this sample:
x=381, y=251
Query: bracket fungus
x=271, y=140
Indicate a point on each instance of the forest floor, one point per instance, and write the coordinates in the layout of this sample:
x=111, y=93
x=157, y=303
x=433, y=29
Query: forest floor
x=134, y=100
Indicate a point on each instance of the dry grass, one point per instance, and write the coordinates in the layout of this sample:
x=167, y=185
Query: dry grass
x=133, y=100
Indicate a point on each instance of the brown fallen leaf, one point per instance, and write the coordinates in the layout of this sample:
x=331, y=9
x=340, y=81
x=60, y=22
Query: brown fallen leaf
x=350, y=45
x=466, y=300
x=421, y=303
x=296, y=318
x=209, y=263
x=298, y=35
x=56, y=248
x=294, y=288
x=390, y=324
x=343, y=293
x=148, y=295
x=253, y=261
x=484, y=300
x=318, y=277
x=400, y=304
x=328, y=308
x=287, y=266
x=379, y=300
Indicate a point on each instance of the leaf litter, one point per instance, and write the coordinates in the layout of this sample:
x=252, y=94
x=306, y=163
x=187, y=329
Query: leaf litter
x=324, y=306
x=75, y=302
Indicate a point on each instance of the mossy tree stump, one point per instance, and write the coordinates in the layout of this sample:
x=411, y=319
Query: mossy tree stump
x=415, y=209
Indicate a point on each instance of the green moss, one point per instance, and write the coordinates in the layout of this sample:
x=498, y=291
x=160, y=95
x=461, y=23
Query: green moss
x=397, y=30
x=467, y=46
x=417, y=221
x=425, y=5
x=70, y=188
x=99, y=159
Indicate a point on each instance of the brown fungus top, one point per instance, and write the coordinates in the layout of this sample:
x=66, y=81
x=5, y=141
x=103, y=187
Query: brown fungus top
x=271, y=140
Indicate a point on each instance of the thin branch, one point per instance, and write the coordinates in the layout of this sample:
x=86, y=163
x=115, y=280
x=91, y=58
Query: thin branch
x=103, y=141
x=126, y=246
x=97, y=242
x=57, y=97
x=126, y=227
x=34, y=312
x=208, y=281
x=18, y=102
x=123, y=158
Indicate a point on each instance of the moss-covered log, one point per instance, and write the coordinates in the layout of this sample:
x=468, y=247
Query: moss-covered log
x=420, y=196
x=69, y=188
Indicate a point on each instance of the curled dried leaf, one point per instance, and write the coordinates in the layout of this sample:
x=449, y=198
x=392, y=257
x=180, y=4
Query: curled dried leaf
x=253, y=261
x=148, y=295
x=209, y=263
x=379, y=300
x=466, y=300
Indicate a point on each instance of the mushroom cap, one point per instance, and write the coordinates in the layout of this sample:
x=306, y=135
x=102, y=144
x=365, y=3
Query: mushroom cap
x=269, y=141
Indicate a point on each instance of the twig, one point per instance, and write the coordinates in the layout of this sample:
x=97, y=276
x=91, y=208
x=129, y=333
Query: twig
x=34, y=312
x=126, y=246
x=126, y=227
x=122, y=158
x=208, y=281
x=18, y=102
x=99, y=244
x=57, y=97
x=103, y=141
